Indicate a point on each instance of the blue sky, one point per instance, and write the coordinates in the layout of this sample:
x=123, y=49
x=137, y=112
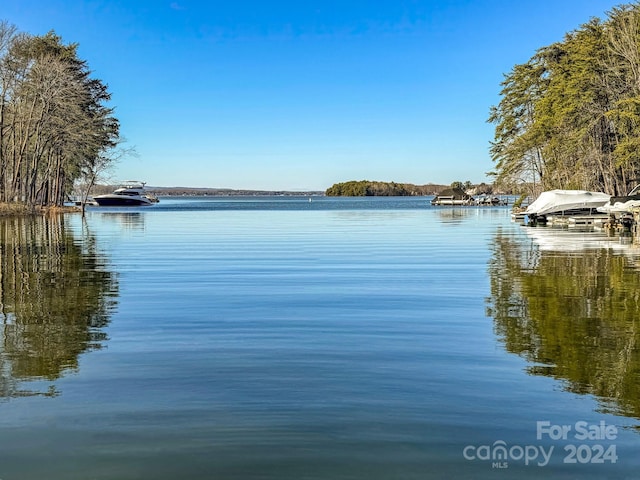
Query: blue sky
x=301, y=94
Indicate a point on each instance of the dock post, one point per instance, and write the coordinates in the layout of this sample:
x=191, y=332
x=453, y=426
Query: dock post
x=635, y=228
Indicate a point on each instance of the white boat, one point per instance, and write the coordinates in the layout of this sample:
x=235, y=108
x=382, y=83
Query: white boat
x=488, y=200
x=566, y=202
x=618, y=206
x=130, y=194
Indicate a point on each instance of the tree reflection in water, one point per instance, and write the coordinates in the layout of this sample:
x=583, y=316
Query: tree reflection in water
x=56, y=296
x=573, y=315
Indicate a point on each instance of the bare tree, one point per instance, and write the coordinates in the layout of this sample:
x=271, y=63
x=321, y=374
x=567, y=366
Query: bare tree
x=94, y=169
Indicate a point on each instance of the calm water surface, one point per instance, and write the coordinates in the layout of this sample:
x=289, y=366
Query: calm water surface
x=282, y=338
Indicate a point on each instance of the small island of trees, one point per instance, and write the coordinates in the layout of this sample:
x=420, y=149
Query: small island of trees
x=367, y=188
x=55, y=127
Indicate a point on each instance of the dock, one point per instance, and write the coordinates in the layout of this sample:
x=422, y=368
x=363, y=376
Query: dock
x=588, y=220
x=624, y=223
x=593, y=220
x=626, y=226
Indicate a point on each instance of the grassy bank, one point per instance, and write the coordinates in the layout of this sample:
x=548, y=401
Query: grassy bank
x=18, y=209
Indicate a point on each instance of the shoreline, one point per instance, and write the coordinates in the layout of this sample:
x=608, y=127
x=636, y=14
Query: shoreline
x=21, y=210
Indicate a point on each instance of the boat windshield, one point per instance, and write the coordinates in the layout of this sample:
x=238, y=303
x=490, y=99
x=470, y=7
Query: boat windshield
x=635, y=191
x=132, y=193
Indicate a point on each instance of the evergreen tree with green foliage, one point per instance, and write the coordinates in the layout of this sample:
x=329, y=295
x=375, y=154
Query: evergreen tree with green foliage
x=570, y=116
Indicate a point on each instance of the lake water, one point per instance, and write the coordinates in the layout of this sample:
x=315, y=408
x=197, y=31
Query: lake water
x=282, y=338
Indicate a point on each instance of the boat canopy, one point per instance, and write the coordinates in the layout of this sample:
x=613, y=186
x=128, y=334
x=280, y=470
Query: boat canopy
x=563, y=200
x=452, y=196
x=455, y=193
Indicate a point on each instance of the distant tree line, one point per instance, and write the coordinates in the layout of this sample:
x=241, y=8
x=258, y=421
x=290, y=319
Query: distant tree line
x=570, y=116
x=55, y=127
x=205, y=191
